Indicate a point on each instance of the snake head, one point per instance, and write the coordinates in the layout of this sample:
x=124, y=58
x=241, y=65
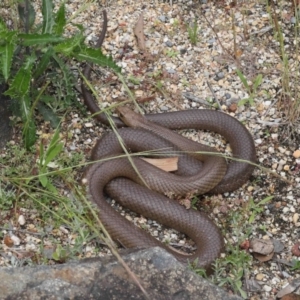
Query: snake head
x=130, y=118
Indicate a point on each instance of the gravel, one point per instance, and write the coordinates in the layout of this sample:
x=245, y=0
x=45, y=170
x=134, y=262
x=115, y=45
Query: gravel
x=205, y=73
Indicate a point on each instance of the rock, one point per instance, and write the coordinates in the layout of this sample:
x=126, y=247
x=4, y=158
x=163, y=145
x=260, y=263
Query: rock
x=160, y=274
x=264, y=247
x=296, y=154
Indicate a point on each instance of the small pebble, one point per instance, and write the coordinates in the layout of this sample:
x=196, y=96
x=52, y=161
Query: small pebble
x=250, y=188
x=15, y=240
x=267, y=288
x=285, y=210
x=281, y=149
x=220, y=75
x=169, y=43
x=260, y=276
x=296, y=154
x=162, y=19
x=271, y=150
x=21, y=220
x=295, y=218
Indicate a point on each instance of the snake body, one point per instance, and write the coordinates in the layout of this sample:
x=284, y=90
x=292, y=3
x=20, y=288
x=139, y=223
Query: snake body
x=204, y=173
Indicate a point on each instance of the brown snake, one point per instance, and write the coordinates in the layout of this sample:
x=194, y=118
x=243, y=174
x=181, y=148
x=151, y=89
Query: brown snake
x=121, y=181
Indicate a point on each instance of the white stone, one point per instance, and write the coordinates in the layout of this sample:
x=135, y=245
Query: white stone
x=21, y=220
x=285, y=210
x=267, y=288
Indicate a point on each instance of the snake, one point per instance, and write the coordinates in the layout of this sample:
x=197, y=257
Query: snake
x=140, y=187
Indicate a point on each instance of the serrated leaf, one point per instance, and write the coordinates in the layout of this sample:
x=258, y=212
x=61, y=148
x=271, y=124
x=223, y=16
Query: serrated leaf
x=47, y=12
x=60, y=20
x=39, y=39
x=7, y=37
x=68, y=81
x=6, y=59
x=68, y=45
x=43, y=63
x=7, y=48
x=47, y=99
x=97, y=57
x=23, y=14
x=20, y=84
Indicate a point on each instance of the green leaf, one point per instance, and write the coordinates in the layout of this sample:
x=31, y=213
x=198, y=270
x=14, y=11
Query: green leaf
x=69, y=45
x=39, y=39
x=243, y=294
x=243, y=101
x=266, y=200
x=47, y=12
x=23, y=14
x=68, y=81
x=251, y=101
x=29, y=133
x=54, y=141
x=243, y=79
x=47, y=99
x=257, y=82
x=50, y=187
x=6, y=59
x=43, y=63
x=43, y=180
x=53, y=152
x=48, y=114
x=7, y=48
x=53, y=147
x=20, y=84
x=97, y=57
x=60, y=20
x=2, y=26
x=296, y=265
x=41, y=155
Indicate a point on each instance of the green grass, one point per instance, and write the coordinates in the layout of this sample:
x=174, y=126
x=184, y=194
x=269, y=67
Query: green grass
x=193, y=33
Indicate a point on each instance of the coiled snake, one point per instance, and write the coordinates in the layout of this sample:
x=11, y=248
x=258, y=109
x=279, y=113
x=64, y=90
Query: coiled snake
x=204, y=173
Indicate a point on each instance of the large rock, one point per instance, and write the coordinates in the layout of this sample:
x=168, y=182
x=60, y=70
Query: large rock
x=160, y=274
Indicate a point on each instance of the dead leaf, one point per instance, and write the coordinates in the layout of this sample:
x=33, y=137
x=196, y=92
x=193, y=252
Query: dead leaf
x=296, y=249
x=139, y=33
x=169, y=164
x=262, y=257
x=245, y=245
x=8, y=241
x=233, y=107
